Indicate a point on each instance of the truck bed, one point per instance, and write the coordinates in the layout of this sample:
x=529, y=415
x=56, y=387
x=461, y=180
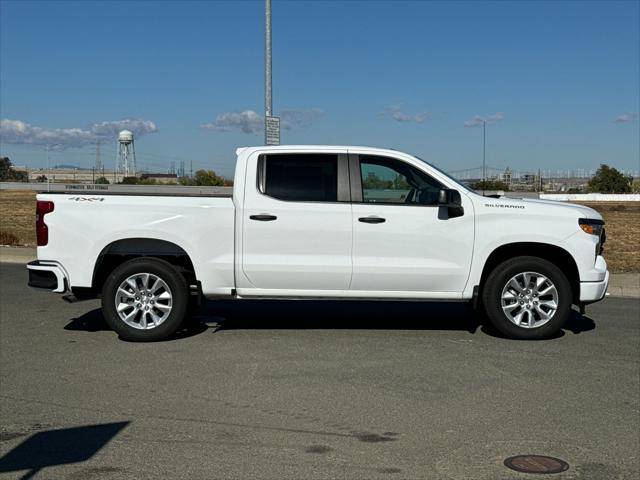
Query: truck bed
x=85, y=225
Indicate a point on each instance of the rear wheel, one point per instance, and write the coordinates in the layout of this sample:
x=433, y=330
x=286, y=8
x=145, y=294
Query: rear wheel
x=527, y=298
x=145, y=299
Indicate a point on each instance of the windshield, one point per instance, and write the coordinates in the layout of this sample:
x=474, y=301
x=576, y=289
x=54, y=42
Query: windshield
x=453, y=179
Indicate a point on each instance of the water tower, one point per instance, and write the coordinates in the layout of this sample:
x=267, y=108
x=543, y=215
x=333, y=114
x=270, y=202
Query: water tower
x=126, y=160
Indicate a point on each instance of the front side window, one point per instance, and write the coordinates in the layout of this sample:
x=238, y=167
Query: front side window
x=300, y=177
x=387, y=180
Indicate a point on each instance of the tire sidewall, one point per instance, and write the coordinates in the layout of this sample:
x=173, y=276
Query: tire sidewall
x=492, y=297
x=174, y=280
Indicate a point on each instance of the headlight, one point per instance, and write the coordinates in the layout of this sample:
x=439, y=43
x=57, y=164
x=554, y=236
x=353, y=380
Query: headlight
x=594, y=227
x=591, y=226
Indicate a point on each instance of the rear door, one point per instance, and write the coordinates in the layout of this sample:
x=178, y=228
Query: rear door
x=297, y=228
x=402, y=240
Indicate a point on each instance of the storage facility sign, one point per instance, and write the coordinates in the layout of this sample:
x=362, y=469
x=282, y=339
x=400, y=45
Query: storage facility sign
x=272, y=130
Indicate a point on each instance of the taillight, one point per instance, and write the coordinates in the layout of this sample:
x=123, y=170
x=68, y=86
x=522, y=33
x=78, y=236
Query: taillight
x=42, y=232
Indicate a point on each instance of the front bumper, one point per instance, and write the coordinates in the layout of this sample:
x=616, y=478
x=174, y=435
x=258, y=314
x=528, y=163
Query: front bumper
x=594, y=291
x=48, y=276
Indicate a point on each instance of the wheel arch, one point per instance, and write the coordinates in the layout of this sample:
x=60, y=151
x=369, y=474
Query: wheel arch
x=553, y=253
x=122, y=250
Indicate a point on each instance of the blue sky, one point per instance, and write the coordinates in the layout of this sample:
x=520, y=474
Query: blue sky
x=558, y=80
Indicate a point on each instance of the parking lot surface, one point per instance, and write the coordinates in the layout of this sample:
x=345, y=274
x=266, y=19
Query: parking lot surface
x=278, y=390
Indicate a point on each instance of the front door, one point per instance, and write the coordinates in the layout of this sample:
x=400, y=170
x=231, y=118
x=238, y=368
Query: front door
x=402, y=240
x=296, y=224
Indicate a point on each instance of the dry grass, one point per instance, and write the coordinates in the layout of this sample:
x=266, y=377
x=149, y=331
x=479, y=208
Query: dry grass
x=622, y=250
x=18, y=216
x=622, y=224
x=7, y=238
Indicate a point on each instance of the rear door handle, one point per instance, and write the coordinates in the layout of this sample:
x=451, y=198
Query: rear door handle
x=263, y=218
x=372, y=219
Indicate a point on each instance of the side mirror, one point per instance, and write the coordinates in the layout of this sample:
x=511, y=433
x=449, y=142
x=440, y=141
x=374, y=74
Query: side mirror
x=452, y=201
x=449, y=198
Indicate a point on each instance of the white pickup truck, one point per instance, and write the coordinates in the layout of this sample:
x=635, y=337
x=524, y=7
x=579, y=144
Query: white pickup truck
x=322, y=222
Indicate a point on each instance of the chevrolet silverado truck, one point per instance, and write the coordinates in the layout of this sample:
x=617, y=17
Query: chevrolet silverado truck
x=321, y=222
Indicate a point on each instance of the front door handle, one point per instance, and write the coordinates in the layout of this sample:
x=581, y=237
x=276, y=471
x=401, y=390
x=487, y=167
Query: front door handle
x=263, y=218
x=372, y=219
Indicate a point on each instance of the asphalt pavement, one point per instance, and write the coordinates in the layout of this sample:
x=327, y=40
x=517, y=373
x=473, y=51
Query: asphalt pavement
x=302, y=389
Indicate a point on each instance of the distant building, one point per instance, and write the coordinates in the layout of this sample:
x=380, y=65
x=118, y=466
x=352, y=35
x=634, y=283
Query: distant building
x=506, y=176
x=71, y=175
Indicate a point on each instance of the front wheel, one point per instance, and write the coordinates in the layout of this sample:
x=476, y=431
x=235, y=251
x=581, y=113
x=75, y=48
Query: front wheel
x=527, y=298
x=145, y=299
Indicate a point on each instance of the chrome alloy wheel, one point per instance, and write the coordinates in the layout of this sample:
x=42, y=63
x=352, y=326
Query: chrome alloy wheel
x=529, y=299
x=143, y=301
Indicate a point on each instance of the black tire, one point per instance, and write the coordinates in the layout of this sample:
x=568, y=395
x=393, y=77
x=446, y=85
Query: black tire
x=492, y=297
x=179, y=299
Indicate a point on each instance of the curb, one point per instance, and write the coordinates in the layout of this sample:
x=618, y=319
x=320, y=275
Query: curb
x=625, y=285
x=17, y=254
x=623, y=292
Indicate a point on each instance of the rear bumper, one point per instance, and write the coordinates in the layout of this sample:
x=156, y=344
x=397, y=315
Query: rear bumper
x=594, y=291
x=47, y=276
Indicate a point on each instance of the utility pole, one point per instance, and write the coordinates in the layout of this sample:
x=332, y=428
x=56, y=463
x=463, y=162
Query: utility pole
x=268, y=104
x=539, y=182
x=98, y=160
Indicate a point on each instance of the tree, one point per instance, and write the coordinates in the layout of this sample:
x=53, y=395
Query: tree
x=10, y=174
x=5, y=168
x=129, y=181
x=207, y=178
x=41, y=179
x=102, y=181
x=147, y=181
x=374, y=182
x=19, y=176
x=609, y=180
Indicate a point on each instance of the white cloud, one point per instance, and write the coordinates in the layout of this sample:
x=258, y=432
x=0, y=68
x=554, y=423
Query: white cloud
x=246, y=122
x=252, y=122
x=395, y=112
x=290, y=118
x=19, y=132
x=477, y=120
x=110, y=129
x=626, y=118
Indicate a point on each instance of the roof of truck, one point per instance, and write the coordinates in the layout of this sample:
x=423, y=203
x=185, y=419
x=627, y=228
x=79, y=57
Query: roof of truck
x=315, y=147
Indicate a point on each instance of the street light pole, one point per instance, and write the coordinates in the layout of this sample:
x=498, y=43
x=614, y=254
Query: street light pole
x=268, y=106
x=484, y=151
x=48, y=169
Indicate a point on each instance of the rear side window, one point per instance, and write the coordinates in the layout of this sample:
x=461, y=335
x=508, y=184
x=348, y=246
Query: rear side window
x=299, y=177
